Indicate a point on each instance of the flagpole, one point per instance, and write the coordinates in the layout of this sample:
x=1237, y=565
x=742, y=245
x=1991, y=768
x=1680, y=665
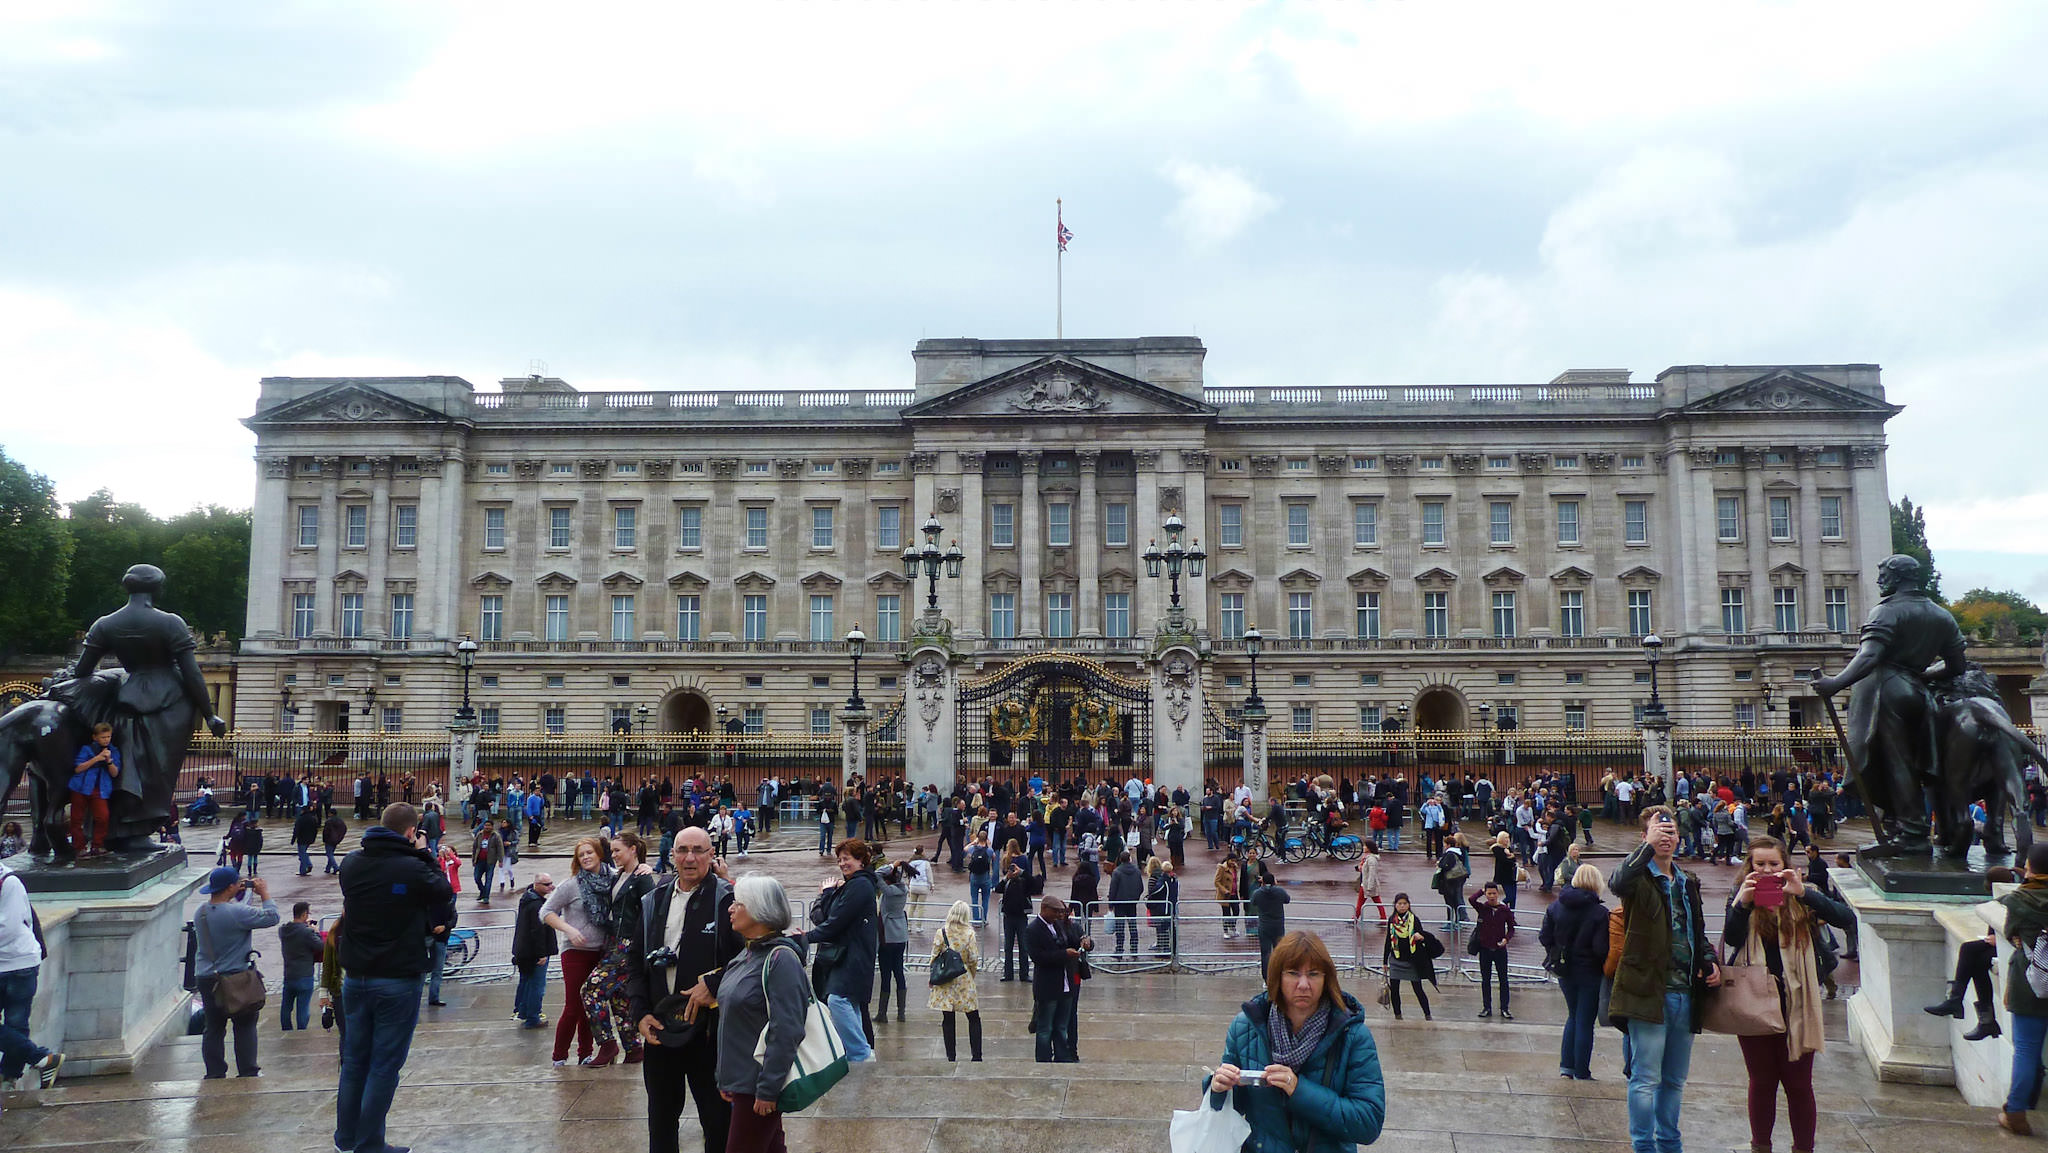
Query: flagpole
x=1059, y=308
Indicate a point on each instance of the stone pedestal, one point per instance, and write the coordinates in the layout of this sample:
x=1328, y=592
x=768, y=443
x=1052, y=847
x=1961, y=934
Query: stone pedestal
x=930, y=716
x=1905, y=964
x=117, y=976
x=1657, y=763
x=1983, y=1069
x=462, y=756
x=1254, y=718
x=853, y=756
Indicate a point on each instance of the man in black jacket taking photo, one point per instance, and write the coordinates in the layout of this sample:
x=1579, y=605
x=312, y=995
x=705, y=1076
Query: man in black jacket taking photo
x=393, y=895
x=686, y=939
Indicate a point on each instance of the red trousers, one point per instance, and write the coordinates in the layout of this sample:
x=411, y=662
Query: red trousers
x=83, y=806
x=572, y=1025
x=1769, y=1068
x=751, y=1132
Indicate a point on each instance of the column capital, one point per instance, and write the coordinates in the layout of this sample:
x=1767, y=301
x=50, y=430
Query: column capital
x=971, y=459
x=276, y=467
x=1027, y=459
x=1146, y=459
x=923, y=462
x=1087, y=458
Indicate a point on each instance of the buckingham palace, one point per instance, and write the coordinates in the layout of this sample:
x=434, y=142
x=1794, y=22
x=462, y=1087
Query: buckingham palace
x=1437, y=553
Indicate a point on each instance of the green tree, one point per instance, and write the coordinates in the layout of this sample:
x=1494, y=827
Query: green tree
x=1999, y=616
x=35, y=560
x=1909, y=536
x=107, y=536
x=206, y=561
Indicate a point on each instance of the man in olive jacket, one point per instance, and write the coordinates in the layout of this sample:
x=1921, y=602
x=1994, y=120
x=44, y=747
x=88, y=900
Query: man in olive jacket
x=1661, y=985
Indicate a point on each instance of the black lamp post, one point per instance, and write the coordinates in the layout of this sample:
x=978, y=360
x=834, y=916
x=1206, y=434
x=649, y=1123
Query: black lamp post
x=1174, y=559
x=1653, y=645
x=1485, y=717
x=1254, y=642
x=641, y=713
x=465, y=655
x=369, y=700
x=285, y=706
x=933, y=560
x=723, y=714
x=1770, y=706
x=856, y=644
x=1402, y=718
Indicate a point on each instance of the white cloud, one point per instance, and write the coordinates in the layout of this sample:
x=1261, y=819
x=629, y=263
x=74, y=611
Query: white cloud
x=1215, y=203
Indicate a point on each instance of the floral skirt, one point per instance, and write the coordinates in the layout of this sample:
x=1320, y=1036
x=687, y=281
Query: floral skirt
x=605, y=1002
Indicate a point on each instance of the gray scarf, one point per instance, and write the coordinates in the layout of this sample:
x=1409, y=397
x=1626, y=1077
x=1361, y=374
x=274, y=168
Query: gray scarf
x=1290, y=1048
x=594, y=893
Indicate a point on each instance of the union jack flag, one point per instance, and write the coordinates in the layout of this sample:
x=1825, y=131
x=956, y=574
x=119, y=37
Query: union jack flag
x=1065, y=234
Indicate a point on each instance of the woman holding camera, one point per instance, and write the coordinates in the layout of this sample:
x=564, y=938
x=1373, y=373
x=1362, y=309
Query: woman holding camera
x=1299, y=1061
x=1773, y=921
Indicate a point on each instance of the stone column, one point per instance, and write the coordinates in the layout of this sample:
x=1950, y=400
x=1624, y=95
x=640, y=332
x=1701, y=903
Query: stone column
x=377, y=553
x=462, y=755
x=974, y=546
x=1254, y=719
x=1706, y=583
x=1177, y=719
x=1088, y=547
x=436, y=612
x=1145, y=605
x=1030, y=546
x=853, y=757
x=269, y=523
x=930, y=720
x=1812, y=614
x=1194, y=468
x=724, y=529
x=1756, y=544
x=1872, y=525
x=329, y=553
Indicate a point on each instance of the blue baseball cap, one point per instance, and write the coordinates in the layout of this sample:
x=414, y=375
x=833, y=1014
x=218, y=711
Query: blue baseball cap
x=220, y=880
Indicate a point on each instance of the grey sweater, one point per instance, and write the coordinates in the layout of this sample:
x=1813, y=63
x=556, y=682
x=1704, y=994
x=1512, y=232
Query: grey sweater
x=226, y=927
x=895, y=917
x=747, y=1006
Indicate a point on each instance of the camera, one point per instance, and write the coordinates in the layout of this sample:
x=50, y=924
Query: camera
x=1252, y=1077
x=661, y=958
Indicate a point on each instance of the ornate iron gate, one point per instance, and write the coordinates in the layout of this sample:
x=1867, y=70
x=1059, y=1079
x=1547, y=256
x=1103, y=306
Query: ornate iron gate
x=1047, y=715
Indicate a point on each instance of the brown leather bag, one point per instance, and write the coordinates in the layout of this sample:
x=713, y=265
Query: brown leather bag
x=236, y=993
x=1617, y=933
x=1746, y=1004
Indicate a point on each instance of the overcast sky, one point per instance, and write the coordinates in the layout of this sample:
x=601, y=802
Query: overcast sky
x=193, y=196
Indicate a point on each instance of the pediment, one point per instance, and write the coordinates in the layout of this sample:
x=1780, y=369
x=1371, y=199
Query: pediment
x=1789, y=570
x=1118, y=574
x=622, y=579
x=1571, y=574
x=1301, y=576
x=558, y=579
x=1641, y=572
x=1787, y=390
x=1367, y=578
x=1231, y=580
x=688, y=580
x=754, y=579
x=1436, y=576
x=491, y=580
x=347, y=402
x=1504, y=575
x=888, y=580
x=820, y=580
x=1059, y=386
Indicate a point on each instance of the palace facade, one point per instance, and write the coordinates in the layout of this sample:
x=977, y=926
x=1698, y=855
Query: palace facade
x=1407, y=551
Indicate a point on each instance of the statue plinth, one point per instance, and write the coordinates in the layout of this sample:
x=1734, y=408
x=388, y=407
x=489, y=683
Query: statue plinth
x=1937, y=875
x=110, y=873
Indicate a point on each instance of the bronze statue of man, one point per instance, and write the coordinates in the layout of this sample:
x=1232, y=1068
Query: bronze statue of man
x=154, y=708
x=1891, y=727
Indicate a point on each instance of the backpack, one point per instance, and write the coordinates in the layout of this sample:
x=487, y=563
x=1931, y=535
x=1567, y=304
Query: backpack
x=978, y=859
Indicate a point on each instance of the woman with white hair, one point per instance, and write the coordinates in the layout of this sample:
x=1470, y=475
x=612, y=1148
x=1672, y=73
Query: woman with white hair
x=762, y=997
x=959, y=994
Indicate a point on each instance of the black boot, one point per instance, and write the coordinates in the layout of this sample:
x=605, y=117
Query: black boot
x=1953, y=1007
x=946, y=1031
x=1987, y=1024
x=974, y=1034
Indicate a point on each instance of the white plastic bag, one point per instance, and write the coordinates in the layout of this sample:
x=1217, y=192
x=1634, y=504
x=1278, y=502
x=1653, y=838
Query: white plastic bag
x=1206, y=1130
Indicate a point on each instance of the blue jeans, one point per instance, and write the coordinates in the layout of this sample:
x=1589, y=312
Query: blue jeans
x=17, y=997
x=1212, y=832
x=533, y=987
x=437, y=951
x=588, y=801
x=305, y=860
x=2027, y=1032
x=1059, y=847
x=1393, y=840
x=1051, y=1027
x=825, y=836
x=1656, y=1082
x=298, y=995
x=334, y=866
x=846, y=1019
x=979, y=886
x=382, y=1013
x=1582, y=1003
x=482, y=875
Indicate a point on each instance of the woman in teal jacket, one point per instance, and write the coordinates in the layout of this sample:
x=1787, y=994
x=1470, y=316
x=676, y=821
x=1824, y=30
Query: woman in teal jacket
x=1299, y=1062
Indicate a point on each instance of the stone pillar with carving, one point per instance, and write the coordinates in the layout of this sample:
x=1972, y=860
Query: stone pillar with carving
x=1177, y=718
x=1030, y=546
x=1657, y=750
x=377, y=555
x=1255, y=775
x=463, y=735
x=1194, y=469
x=328, y=555
x=853, y=757
x=1088, y=546
x=930, y=717
x=273, y=518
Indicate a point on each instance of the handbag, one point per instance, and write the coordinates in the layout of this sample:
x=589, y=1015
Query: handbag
x=238, y=992
x=1746, y=1005
x=1386, y=996
x=820, y=1060
x=947, y=964
x=1204, y=1129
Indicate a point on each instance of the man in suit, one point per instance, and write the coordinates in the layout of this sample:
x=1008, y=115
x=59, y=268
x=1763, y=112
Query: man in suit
x=686, y=940
x=1055, y=944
